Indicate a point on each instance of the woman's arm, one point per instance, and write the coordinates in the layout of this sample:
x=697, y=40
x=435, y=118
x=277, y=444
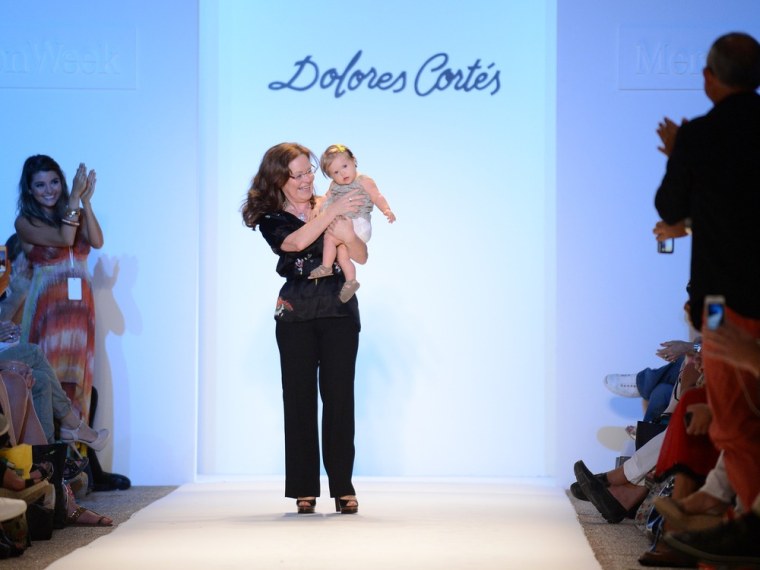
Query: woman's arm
x=311, y=230
x=377, y=198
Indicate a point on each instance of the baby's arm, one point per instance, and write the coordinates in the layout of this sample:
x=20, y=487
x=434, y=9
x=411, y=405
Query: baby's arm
x=377, y=199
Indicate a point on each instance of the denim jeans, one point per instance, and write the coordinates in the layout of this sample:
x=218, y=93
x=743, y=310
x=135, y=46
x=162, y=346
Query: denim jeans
x=50, y=401
x=656, y=386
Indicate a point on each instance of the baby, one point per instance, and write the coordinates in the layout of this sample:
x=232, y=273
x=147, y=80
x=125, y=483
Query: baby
x=339, y=163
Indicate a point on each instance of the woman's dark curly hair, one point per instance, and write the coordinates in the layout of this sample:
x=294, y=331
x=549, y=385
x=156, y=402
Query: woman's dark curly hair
x=265, y=193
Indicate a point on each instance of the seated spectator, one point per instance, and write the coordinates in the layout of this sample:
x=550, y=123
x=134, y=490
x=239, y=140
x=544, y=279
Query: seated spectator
x=655, y=386
x=735, y=541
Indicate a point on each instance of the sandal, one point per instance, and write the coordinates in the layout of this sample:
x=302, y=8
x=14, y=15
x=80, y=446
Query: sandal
x=347, y=506
x=73, y=436
x=321, y=271
x=73, y=518
x=306, y=505
x=348, y=290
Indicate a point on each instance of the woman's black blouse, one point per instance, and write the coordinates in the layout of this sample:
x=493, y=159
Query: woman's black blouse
x=303, y=299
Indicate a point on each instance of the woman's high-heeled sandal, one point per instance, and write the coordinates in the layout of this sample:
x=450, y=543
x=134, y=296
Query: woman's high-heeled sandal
x=306, y=506
x=73, y=435
x=321, y=271
x=348, y=290
x=345, y=506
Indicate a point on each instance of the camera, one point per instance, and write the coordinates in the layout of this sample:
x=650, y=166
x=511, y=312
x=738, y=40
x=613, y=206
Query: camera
x=666, y=246
x=715, y=308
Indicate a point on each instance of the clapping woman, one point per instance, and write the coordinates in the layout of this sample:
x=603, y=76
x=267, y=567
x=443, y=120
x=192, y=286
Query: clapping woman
x=57, y=231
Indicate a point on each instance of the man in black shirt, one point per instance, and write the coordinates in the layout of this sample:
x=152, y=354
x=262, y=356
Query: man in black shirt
x=713, y=180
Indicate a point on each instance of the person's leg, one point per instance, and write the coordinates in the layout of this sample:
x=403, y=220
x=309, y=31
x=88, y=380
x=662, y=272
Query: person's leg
x=44, y=383
x=716, y=491
x=346, y=265
x=339, y=343
x=648, y=379
x=329, y=254
x=643, y=460
x=299, y=359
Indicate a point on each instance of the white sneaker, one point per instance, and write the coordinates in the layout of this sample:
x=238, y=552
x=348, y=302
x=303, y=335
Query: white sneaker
x=622, y=384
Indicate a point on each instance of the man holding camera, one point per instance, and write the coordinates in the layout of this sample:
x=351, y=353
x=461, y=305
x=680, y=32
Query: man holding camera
x=712, y=186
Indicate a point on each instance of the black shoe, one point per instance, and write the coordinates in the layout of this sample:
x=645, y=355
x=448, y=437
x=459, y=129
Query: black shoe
x=577, y=492
x=112, y=482
x=734, y=542
x=597, y=493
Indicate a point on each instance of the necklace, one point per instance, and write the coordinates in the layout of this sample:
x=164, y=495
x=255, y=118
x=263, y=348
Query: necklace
x=301, y=215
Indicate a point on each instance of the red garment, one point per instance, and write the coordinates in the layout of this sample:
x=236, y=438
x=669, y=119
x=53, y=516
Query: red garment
x=694, y=455
x=734, y=398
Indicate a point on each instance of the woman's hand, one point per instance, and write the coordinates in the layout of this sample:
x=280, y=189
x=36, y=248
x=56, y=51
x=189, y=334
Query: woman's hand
x=347, y=204
x=89, y=188
x=78, y=186
x=701, y=416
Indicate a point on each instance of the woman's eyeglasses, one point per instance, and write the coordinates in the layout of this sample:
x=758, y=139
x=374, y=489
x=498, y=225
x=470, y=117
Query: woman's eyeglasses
x=299, y=177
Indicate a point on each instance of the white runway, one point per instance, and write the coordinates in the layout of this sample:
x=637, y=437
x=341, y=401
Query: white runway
x=515, y=524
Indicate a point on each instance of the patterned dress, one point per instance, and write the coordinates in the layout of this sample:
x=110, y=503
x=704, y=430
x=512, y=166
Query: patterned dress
x=63, y=328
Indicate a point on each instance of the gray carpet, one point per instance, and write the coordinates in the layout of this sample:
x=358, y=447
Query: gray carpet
x=616, y=546
x=119, y=505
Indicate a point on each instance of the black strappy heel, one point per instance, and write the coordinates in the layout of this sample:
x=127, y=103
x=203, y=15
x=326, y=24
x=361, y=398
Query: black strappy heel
x=342, y=506
x=306, y=506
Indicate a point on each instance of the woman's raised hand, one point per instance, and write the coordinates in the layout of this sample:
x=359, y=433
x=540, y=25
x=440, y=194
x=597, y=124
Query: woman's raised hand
x=348, y=204
x=79, y=185
x=90, y=188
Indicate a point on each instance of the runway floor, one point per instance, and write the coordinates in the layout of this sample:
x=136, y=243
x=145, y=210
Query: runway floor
x=402, y=523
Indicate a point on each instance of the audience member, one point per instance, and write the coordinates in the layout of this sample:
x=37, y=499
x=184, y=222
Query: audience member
x=734, y=541
x=711, y=182
x=57, y=231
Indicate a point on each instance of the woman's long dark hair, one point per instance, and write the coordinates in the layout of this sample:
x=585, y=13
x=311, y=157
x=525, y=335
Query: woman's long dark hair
x=27, y=206
x=265, y=193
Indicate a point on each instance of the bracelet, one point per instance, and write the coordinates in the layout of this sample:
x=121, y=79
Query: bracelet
x=69, y=222
x=72, y=212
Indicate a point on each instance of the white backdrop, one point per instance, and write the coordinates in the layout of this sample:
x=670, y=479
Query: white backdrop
x=452, y=354
x=620, y=69
x=521, y=270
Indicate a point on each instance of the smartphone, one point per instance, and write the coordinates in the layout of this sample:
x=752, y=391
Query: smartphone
x=666, y=246
x=687, y=418
x=715, y=309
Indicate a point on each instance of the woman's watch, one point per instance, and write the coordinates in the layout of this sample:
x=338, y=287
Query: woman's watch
x=697, y=347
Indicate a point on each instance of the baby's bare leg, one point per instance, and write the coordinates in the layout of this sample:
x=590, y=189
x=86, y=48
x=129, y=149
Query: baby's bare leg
x=344, y=260
x=329, y=250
